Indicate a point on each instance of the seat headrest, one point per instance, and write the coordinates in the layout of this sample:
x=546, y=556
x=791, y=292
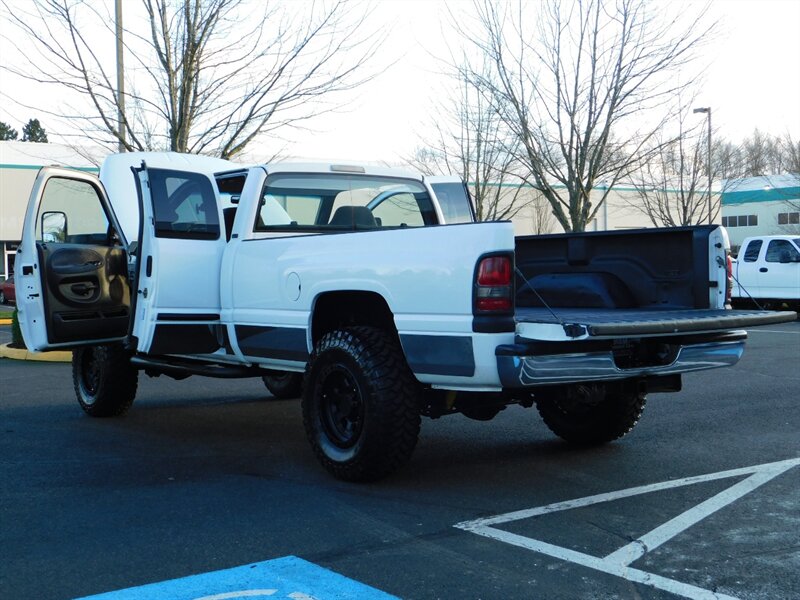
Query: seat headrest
x=353, y=216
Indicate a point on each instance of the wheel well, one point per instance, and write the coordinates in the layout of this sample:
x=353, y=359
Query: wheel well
x=335, y=310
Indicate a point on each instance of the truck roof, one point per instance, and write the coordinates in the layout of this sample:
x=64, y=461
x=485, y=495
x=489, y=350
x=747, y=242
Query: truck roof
x=116, y=175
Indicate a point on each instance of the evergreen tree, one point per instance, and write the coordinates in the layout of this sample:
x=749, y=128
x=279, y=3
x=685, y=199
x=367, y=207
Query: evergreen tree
x=7, y=132
x=34, y=132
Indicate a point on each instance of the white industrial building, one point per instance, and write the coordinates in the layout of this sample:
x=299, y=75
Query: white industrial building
x=768, y=205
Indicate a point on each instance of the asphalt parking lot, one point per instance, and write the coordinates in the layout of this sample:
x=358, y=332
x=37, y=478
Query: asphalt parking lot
x=701, y=500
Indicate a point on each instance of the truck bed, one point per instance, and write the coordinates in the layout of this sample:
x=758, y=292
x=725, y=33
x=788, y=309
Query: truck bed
x=599, y=322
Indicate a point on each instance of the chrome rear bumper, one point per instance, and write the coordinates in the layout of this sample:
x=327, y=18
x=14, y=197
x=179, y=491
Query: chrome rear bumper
x=548, y=369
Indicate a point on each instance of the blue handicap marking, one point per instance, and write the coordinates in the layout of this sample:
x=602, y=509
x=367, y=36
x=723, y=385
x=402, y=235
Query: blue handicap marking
x=279, y=579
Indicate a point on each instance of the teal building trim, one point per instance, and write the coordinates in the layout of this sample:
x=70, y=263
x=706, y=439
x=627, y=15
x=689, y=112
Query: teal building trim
x=762, y=195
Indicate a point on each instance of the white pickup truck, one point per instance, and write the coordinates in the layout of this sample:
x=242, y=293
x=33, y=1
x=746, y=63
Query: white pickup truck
x=373, y=283
x=766, y=273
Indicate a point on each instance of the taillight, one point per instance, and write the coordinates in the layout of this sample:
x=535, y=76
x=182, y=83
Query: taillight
x=495, y=270
x=494, y=284
x=729, y=279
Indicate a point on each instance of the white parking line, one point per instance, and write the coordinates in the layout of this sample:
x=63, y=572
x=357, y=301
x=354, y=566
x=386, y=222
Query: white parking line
x=617, y=563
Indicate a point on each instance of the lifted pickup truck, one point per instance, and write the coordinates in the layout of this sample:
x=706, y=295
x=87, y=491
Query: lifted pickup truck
x=373, y=283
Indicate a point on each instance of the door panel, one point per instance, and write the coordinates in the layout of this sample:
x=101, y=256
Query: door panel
x=87, y=293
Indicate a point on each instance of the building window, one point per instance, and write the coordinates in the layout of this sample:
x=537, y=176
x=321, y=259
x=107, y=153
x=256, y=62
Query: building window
x=740, y=221
x=789, y=218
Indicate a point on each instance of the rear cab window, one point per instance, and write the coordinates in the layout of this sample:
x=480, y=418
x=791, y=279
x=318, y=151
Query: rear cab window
x=323, y=203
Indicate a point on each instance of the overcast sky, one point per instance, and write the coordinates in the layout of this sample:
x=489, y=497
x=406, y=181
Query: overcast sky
x=753, y=81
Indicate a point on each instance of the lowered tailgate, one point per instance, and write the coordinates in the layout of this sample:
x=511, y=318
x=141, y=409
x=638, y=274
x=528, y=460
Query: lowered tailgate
x=582, y=323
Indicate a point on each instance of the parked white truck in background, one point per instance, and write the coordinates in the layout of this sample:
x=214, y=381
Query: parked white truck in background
x=373, y=283
x=766, y=273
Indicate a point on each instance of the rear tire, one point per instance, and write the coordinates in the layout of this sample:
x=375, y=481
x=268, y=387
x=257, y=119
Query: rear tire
x=283, y=384
x=591, y=415
x=360, y=404
x=3, y=299
x=105, y=381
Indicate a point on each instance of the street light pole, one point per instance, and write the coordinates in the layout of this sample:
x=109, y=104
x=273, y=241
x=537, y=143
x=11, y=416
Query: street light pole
x=707, y=111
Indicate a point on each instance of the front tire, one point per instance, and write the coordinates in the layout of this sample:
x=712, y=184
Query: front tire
x=591, y=414
x=360, y=404
x=105, y=381
x=283, y=384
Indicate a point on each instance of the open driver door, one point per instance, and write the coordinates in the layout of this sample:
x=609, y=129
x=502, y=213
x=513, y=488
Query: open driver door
x=72, y=265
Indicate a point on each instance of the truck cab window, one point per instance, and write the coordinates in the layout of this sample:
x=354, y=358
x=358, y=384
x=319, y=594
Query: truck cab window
x=71, y=212
x=454, y=202
x=331, y=203
x=184, y=204
x=396, y=209
x=752, y=251
x=778, y=248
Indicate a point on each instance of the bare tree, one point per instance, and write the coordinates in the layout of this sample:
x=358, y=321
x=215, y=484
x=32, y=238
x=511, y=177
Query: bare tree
x=467, y=138
x=672, y=184
x=584, y=86
x=208, y=76
x=671, y=187
x=541, y=215
x=790, y=151
x=761, y=155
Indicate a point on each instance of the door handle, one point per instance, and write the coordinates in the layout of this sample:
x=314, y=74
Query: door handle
x=763, y=270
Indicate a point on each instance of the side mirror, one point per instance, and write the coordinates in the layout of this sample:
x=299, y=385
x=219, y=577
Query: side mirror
x=54, y=227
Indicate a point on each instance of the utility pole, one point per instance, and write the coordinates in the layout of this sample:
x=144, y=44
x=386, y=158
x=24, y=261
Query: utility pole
x=707, y=111
x=120, y=78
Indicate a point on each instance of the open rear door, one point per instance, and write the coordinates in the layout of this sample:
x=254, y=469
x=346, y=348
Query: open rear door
x=181, y=242
x=72, y=265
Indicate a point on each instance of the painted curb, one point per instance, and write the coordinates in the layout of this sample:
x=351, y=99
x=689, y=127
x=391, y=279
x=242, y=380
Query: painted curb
x=19, y=354
x=5, y=321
